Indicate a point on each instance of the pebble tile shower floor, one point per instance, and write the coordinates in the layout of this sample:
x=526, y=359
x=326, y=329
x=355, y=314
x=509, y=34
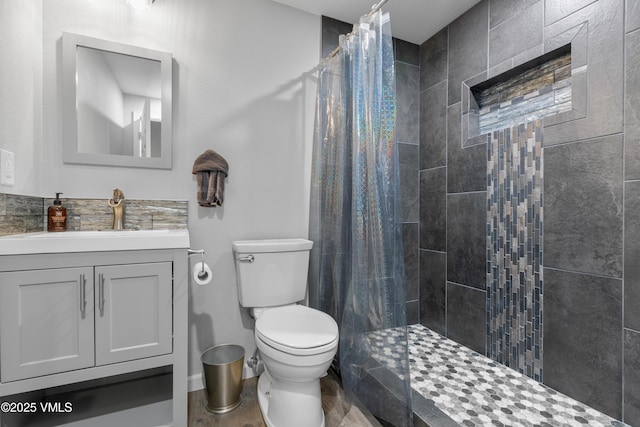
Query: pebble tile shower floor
x=473, y=390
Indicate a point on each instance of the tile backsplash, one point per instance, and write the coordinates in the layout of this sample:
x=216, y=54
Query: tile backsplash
x=20, y=214
x=24, y=214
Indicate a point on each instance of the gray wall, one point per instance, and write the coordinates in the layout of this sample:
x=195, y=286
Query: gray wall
x=591, y=308
x=408, y=137
x=21, y=92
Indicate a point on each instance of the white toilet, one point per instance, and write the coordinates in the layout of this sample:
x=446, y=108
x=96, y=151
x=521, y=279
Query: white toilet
x=296, y=343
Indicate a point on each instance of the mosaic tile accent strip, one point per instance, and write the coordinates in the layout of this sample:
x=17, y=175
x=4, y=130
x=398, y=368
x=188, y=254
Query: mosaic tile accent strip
x=553, y=99
x=20, y=214
x=26, y=214
x=95, y=214
x=532, y=79
x=473, y=390
x=514, y=248
x=540, y=91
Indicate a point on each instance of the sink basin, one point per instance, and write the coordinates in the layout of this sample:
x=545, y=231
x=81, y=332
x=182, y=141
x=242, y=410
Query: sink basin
x=93, y=241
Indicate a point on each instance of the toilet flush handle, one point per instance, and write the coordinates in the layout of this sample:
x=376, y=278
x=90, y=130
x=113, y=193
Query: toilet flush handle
x=248, y=258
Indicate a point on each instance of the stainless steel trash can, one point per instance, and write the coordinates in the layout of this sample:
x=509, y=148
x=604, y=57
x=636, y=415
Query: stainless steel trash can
x=222, y=372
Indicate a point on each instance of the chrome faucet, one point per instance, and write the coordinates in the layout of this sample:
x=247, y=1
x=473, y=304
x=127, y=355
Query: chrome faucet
x=117, y=203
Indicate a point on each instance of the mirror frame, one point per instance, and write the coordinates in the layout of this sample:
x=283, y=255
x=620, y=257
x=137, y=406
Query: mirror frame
x=70, y=154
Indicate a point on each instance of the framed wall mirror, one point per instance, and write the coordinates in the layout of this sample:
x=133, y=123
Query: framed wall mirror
x=117, y=105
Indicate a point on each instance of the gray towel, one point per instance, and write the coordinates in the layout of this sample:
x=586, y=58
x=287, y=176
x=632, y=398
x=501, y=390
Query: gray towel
x=210, y=169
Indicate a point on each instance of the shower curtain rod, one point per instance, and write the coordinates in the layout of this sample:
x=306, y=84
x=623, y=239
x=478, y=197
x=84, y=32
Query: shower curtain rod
x=376, y=7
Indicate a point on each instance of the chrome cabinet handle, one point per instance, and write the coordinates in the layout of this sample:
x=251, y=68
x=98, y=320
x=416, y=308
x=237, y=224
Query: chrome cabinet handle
x=101, y=293
x=83, y=296
x=248, y=258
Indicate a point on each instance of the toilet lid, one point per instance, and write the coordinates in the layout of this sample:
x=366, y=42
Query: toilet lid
x=297, y=326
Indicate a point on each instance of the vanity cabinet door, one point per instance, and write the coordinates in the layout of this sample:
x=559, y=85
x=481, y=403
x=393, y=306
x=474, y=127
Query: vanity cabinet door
x=133, y=306
x=46, y=322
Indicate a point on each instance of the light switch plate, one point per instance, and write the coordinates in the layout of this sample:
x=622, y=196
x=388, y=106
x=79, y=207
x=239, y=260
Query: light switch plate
x=7, y=168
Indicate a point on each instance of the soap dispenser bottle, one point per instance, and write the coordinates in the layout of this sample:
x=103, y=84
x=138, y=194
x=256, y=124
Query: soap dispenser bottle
x=57, y=216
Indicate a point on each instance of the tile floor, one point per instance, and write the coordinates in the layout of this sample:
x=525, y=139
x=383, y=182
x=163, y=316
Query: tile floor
x=338, y=412
x=452, y=385
x=472, y=390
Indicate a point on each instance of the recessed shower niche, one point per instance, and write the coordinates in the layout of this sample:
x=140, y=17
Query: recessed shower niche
x=536, y=89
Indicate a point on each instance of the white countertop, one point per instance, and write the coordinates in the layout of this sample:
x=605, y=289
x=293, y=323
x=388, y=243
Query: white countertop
x=92, y=241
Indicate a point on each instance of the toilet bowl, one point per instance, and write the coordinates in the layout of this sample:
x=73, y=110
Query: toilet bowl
x=296, y=343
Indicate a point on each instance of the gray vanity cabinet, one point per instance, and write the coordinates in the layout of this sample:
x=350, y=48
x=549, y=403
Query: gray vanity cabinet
x=98, y=319
x=63, y=319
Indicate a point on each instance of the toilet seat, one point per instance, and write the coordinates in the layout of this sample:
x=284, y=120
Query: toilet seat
x=297, y=330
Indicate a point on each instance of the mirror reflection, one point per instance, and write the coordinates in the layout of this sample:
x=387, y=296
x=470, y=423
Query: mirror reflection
x=119, y=103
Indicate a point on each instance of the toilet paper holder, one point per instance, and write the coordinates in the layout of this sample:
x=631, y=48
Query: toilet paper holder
x=202, y=275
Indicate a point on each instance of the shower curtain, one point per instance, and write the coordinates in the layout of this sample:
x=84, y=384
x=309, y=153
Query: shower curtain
x=357, y=265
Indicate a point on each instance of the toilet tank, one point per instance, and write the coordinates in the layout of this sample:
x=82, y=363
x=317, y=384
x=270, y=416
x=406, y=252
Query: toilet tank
x=271, y=272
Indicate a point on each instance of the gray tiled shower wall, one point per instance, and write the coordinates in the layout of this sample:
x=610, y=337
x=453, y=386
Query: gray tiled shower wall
x=591, y=335
x=408, y=138
x=24, y=214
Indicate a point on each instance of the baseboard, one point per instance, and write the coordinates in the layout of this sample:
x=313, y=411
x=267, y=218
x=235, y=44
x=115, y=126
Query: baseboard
x=195, y=382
